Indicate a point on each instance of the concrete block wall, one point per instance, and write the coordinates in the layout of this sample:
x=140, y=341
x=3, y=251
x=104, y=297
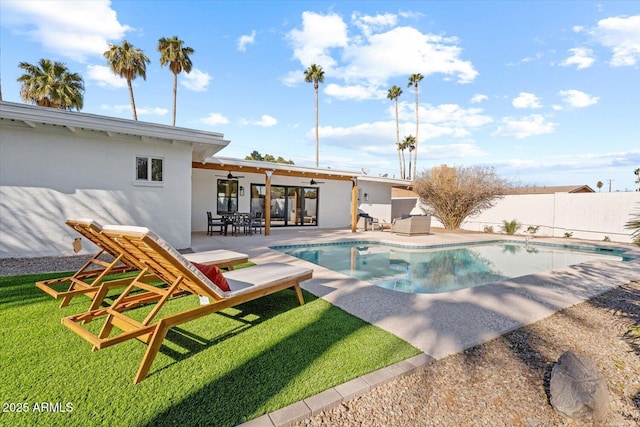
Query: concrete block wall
x=585, y=215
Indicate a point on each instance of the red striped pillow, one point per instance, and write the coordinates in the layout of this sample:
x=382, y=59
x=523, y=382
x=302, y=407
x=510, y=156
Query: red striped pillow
x=214, y=274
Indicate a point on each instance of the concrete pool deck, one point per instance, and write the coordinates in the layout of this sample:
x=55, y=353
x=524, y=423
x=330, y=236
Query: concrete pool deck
x=437, y=324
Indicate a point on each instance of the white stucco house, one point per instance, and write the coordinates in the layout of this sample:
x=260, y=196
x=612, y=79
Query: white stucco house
x=57, y=164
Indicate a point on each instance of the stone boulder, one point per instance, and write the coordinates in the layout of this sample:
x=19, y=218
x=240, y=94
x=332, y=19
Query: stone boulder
x=577, y=389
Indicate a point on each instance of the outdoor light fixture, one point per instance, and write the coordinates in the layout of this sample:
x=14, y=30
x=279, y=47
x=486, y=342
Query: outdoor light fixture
x=366, y=197
x=241, y=190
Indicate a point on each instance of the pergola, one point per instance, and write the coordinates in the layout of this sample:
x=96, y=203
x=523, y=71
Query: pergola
x=269, y=170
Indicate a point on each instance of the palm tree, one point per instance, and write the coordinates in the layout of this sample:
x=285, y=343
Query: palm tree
x=315, y=74
x=409, y=143
x=414, y=79
x=599, y=184
x=394, y=93
x=127, y=62
x=50, y=84
x=173, y=53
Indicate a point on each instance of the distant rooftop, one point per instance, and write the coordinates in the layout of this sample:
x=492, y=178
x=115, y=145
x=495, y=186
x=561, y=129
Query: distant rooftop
x=551, y=189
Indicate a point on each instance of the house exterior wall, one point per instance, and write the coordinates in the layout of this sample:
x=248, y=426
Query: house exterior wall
x=377, y=203
x=49, y=173
x=334, y=210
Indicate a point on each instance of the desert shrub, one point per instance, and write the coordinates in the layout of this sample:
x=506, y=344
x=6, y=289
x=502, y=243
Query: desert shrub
x=453, y=194
x=510, y=227
x=634, y=224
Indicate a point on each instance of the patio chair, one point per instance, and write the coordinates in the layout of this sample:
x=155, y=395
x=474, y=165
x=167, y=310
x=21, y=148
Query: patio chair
x=419, y=224
x=256, y=222
x=213, y=223
x=159, y=258
x=89, y=280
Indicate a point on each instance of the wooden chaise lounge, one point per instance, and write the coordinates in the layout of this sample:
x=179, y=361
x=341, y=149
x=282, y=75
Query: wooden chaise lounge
x=160, y=259
x=112, y=259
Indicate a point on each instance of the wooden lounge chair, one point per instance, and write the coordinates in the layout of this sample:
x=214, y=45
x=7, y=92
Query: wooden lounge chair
x=169, y=265
x=91, y=276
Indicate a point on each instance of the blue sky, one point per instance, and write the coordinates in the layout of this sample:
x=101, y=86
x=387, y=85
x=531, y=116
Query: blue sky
x=546, y=92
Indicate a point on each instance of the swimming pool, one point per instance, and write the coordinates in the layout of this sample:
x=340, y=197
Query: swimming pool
x=443, y=268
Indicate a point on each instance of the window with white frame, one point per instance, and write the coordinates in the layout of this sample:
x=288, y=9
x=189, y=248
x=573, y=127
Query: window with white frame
x=149, y=169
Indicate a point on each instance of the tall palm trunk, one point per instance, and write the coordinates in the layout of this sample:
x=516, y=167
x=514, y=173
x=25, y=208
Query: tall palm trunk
x=317, y=139
x=133, y=102
x=175, y=95
x=398, y=141
x=404, y=165
x=415, y=159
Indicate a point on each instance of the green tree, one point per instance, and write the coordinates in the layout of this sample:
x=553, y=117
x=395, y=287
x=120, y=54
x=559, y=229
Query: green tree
x=409, y=143
x=173, y=52
x=50, y=84
x=637, y=173
x=414, y=79
x=255, y=155
x=315, y=74
x=127, y=62
x=281, y=159
x=393, y=94
x=453, y=194
x=599, y=184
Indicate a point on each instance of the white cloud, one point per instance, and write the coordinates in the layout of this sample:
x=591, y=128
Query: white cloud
x=526, y=100
x=622, y=35
x=149, y=111
x=319, y=34
x=537, y=56
x=266, y=121
x=593, y=163
x=196, y=80
x=104, y=77
x=245, y=40
x=411, y=50
x=355, y=92
x=71, y=29
x=293, y=78
x=478, y=98
x=453, y=151
x=358, y=55
x=580, y=56
x=369, y=24
x=524, y=127
x=448, y=120
x=214, y=119
x=577, y=99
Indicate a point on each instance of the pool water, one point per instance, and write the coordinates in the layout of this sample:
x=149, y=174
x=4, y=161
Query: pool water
x=436, y=270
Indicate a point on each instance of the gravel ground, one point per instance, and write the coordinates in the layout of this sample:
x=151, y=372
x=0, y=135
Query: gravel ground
x=18, y=266
x=505, y=382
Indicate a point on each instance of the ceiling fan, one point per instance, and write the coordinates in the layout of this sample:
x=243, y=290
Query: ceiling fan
x=314, y=182
x=231, y=176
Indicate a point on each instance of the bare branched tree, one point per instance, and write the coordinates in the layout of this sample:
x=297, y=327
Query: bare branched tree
x=453, y=194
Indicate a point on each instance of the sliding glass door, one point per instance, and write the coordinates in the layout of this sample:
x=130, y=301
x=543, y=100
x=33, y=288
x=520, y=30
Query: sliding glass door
x=290, y=206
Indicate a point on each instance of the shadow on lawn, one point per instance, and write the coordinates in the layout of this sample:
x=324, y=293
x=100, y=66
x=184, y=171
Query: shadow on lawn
x=16, y=291
x=251, y=386
x=267, y=308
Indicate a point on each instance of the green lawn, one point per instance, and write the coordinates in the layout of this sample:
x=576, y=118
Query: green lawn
x=220, y=370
